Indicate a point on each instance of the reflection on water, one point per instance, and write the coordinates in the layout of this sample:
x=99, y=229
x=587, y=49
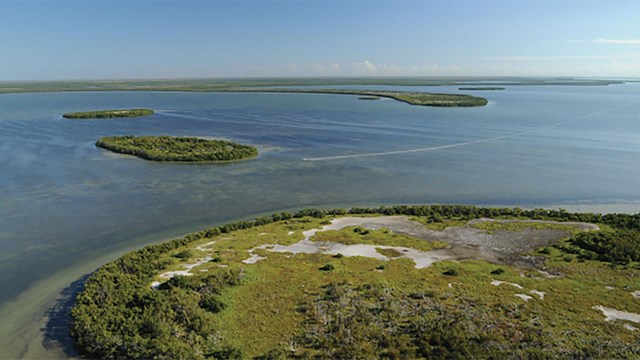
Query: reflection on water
x=64, y=202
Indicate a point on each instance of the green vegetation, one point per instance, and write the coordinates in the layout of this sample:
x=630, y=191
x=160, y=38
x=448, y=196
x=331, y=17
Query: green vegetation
x=109, y=114
x=283, y=306
x=493, y=226
x=184, y=149
x=482, y=88
x=209, y=85
x=390, y=253
x=369, y=98
x=618, y=247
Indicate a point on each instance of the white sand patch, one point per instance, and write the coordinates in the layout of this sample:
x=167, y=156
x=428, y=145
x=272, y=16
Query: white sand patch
x=185, y=272
x=547, y=274
x=523, y=297
x=254, y=258
x=609, y=287
x=613, y=314
x=290, y=232
x=187, y=268
x=262, y=234
x=636, y=294
x=498, y=282
x=629, y=327
x=306, y=246
x=541, y=294
x=205, y=247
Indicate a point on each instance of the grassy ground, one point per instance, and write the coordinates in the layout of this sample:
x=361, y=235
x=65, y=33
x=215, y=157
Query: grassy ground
x=271, y=307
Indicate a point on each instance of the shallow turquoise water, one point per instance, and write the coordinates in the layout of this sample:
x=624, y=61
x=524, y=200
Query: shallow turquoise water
x=63, y=201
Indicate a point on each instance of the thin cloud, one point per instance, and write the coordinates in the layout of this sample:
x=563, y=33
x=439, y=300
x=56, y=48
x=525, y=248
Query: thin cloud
x=606, y=41
x=617, y=41
x=555, y=58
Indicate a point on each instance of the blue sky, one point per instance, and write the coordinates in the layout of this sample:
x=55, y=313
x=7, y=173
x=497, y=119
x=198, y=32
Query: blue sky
x=43, y=40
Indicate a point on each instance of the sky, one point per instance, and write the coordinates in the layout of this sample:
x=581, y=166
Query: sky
x=70, y=40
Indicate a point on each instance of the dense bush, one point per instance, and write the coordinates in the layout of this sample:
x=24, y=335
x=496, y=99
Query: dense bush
x=185, y=149
x=109, y=114
x=620, y=246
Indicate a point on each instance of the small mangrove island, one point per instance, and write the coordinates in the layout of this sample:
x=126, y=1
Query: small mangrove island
x=180, y=149
x=109, y=114
x=394, y=282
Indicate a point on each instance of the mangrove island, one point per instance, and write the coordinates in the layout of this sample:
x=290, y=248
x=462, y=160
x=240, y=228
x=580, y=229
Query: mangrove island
x=400, y=282
x=180, y=149
x=109, y=114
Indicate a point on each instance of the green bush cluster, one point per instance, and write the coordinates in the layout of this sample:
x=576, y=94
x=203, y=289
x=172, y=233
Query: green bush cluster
x=618, y=246
x=185, y=149
x=109, y=114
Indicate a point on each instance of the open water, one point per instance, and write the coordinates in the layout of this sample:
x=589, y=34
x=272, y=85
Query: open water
x=66, y=207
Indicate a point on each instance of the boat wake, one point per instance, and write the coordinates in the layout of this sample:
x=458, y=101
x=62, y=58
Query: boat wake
x=467, y=143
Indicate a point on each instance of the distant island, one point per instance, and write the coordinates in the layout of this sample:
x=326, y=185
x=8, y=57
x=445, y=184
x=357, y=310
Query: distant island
x=180, y=149
x=216, y=85
x=409, y=97
x=109, y=114
x=402, y=282
x=482, y=88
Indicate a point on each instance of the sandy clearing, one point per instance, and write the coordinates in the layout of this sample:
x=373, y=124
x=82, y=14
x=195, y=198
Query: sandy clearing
x=187, y=268
x=523, y=297
x=254, y=258
x=636, y=294
x=541, y=294
x=185, y=272
x=205, y=247
x=465, y=242
x=498, y=283
x=613, y=314
x=421, y=259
